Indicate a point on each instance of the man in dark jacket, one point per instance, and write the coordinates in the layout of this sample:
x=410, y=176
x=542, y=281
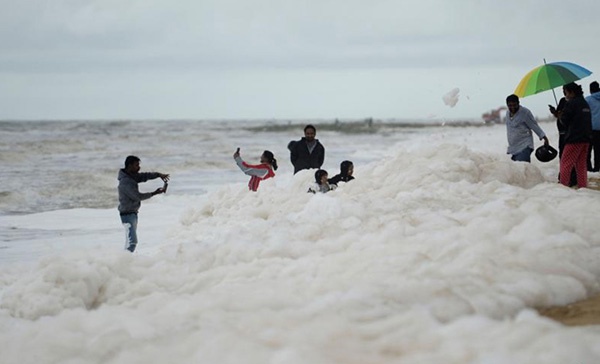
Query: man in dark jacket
x=130, y=196
x=307, y=152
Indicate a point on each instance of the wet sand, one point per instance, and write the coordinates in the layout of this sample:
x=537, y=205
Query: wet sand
x=594, y=182
x=586, y=312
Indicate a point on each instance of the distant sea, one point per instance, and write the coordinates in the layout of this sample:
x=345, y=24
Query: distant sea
x=54, y=165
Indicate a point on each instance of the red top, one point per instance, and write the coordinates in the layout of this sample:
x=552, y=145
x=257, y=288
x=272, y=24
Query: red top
x=255, y=180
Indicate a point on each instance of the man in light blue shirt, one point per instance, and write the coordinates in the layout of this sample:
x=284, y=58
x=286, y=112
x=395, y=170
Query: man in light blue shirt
x=519, y=124
x=594, y=101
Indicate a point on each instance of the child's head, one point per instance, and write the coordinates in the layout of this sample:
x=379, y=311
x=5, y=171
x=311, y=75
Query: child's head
x=346, y=168
x=321, y=176
x=268, y=157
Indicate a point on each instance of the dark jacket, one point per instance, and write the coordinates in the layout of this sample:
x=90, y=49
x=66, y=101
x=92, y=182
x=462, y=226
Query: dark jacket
x=302, y=159
x=577, y=120
x=339, y=178
x=562, y=129
x=343, y=175
x=129, y=195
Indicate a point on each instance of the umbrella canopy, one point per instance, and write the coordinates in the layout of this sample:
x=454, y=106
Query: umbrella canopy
x=549, y=76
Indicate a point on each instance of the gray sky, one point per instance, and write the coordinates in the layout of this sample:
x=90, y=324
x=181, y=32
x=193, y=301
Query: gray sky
x=232, y=59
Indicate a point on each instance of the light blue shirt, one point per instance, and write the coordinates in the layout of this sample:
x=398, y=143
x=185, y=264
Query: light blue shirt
x=518, y=130
x=594, y=101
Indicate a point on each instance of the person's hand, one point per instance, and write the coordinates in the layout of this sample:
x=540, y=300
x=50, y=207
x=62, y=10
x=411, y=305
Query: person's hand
x=237, y=153
x=552, y=110
x=158, y=191
x=164, y=177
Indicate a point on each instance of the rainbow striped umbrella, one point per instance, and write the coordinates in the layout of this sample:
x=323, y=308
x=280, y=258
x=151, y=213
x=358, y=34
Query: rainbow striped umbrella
x=548, y=76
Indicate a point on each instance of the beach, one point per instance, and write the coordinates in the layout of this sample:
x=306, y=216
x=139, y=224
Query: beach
x=581, y=313
x=441, y=249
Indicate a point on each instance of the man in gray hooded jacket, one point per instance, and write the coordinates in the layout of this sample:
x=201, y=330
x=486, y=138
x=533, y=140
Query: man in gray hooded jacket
x=130, y=196
x=519, y=124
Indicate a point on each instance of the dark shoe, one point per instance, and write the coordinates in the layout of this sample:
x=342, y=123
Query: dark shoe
x=573, y=181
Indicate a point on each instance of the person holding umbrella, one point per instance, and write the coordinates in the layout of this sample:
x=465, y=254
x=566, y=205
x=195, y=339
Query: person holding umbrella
x=562, y=131
x=519, y=124
x=577, y=119
x=547, y=77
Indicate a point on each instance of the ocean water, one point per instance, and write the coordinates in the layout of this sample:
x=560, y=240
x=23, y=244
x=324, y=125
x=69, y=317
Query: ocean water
x=73, y=164
x=439, y=251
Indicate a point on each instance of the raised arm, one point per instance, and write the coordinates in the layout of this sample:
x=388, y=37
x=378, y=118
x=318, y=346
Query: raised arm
x=259, y=170
x=132, y=191
x=146, y=176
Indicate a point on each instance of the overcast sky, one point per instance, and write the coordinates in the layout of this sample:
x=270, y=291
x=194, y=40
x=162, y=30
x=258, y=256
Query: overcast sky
x=290, y=59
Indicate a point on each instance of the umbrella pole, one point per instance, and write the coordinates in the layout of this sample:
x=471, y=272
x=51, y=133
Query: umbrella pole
x=556, y=101
x=553, y=93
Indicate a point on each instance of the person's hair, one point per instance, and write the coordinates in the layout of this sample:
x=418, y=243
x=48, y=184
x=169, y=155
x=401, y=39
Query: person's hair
x=310, y=126
x=345, y=166
x=594, y=87
x=318, y=174
x=573, y=87
x=131, y=160
x=269, y=155
x=512, y=98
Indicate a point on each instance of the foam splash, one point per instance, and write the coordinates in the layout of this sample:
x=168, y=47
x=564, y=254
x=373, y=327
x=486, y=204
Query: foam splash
x=430, y=255
x=451, y=98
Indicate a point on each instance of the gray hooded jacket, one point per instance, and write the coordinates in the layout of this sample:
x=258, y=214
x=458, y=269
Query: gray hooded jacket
x=518, y=130
x=129, y=194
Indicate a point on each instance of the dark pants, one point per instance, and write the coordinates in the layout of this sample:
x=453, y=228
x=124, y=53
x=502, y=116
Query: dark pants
x=595, y=150
x=523, y=156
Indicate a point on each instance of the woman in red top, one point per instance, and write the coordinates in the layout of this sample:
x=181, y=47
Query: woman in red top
x=257, y=172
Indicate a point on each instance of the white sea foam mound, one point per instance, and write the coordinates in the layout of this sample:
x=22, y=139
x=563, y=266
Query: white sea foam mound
x=430, y=255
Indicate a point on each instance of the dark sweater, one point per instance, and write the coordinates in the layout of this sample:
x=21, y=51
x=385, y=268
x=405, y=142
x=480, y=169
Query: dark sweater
x=577, y=120
x=302, y=159
x=339, y=178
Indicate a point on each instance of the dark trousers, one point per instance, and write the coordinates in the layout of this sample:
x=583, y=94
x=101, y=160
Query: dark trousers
x=595, y=150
